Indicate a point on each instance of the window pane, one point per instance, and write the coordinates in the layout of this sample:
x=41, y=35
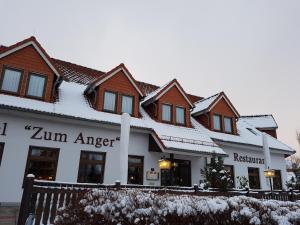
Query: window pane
x=36, y=86
x=42, y=163
x=228, y=125
x=254, y=181
x=166, y=112
x=230, y=171
x=180, y=115
x=91, y=167
x=277, y=182
x=217, y=122
x=11, y=80
x=109, y=101
x=127, y=102
x=135, y=170
x=1, y=151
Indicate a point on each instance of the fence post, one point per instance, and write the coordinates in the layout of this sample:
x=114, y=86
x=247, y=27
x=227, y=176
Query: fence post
x=196, y=188
x=247, y=191
x=291, y=198
x=118, y=184
x=26, y=197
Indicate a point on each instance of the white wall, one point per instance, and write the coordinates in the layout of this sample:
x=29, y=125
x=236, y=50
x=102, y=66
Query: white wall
x=241, y=168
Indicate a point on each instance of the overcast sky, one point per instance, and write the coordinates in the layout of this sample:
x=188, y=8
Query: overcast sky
x=248, y=49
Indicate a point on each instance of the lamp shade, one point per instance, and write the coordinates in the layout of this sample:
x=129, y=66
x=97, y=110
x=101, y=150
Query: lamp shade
x=269, y=173
x=164, y=164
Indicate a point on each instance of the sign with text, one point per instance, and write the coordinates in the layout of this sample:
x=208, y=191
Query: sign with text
x=3, y=128
x=152, y=175
x=247, y=159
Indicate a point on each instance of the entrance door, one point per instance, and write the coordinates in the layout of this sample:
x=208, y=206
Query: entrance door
x=181, y=173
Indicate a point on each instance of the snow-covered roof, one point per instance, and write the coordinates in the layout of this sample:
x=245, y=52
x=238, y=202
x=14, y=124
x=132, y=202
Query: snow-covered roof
x=163, y=89
x=203, y=104
x=71, y=97
x=207, y=104
x=197, y=139
x=260, y=121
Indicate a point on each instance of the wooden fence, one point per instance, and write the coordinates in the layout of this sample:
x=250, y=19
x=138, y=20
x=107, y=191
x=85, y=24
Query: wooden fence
x=42, y=199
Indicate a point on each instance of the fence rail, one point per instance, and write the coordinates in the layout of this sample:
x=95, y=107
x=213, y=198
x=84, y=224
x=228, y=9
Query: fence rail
x=42, y=199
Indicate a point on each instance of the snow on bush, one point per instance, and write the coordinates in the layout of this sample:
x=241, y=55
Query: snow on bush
x=136, y=207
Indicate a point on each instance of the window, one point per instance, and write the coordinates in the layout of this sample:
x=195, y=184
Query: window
x=254, y=181
x=36, y=85
x=277, y=182
x=1, y=151
x=166, y=112
x=217, y=122
x=11, y=80
x=91, y=167
x=228, y=124
x=109, y=101
x=127, y=104
x=42, y=162
x=180, y=117
x=135, y=169
x=230, y=171
x=252, y=131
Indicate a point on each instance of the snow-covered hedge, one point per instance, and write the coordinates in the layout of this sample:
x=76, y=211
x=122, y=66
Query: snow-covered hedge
x=146, y=208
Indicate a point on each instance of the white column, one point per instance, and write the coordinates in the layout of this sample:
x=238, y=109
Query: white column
x=124, y=145
x=266, y=152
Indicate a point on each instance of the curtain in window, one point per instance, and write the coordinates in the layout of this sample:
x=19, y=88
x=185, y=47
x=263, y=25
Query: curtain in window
x=109, y=101
x=179, y=115
x=36, y=86
x=166, y=112
x=228, y=125
x=127, y=102
x=217, y=122
x=11, y=80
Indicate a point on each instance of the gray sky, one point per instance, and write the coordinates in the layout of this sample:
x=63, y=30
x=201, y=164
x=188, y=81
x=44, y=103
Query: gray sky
x=249, y=49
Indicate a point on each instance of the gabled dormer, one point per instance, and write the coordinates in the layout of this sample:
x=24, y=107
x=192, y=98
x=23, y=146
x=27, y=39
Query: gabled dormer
x=217, y=113
x=169, y=104
x=26, y=70
x=115, y=92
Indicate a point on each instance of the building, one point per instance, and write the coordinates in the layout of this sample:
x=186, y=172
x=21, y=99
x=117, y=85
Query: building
x=61, y=121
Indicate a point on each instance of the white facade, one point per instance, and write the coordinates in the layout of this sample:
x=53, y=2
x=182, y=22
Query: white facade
x=20, y=128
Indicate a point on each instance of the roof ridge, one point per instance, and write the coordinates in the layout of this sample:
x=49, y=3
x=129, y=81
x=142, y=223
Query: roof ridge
x=74, y=64
x=257, y=115
x=201, y=100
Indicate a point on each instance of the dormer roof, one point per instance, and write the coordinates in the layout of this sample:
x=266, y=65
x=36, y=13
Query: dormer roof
x=261, y=121
x=155, y=95
x=112, y=73
x=206, y=105
x=5, y=51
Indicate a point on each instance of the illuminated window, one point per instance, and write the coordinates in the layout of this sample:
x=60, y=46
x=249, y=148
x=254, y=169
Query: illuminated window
x=135, y=169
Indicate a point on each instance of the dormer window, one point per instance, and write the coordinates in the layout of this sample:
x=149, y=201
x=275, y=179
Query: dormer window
x=127, y=104
x=11, y=79
x=217, y=122
x=109, y=103
x=228, y=124
x=180, y=115
x=36, y=86
x=166, y=113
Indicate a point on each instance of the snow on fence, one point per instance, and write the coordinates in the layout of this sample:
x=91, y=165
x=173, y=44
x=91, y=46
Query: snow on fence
x=42, y=199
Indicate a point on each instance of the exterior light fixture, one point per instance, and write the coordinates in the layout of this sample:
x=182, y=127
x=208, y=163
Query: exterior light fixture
x=269, y=173
x=164, y=164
